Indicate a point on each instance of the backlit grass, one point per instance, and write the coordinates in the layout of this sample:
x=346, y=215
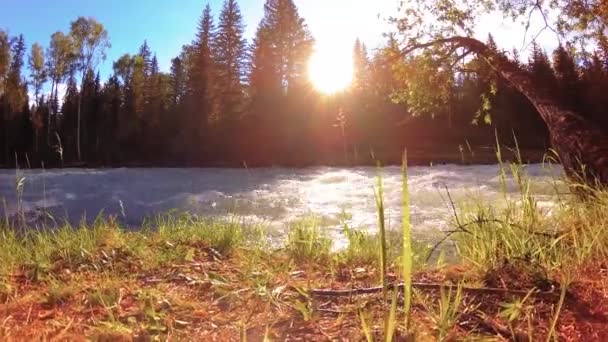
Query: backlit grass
x=184, y=276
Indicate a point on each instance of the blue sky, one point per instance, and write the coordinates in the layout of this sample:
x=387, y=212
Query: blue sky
x=167, y=25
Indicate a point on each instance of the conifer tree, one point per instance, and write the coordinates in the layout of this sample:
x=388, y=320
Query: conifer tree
x=5, y=58
x=178, y=83
x=229, y=52
x=201, y=79
x=360, y=65
x=288, y=44
x=568, y=81
x=15, y=101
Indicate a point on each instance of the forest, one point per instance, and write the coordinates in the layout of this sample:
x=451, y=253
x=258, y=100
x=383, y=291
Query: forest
x=230, y=101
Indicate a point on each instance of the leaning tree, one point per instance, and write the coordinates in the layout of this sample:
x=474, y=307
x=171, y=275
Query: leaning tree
x=438, y=36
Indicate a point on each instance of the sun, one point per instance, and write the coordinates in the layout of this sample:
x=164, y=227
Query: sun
x=330, y=69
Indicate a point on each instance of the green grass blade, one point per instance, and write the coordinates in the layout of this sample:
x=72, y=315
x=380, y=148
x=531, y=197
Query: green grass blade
x=407, y=257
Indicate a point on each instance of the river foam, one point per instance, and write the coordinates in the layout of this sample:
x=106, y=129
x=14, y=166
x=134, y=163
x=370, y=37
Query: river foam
x=275, y=196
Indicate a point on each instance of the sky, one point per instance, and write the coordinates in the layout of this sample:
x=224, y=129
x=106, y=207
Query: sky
x=167, y=25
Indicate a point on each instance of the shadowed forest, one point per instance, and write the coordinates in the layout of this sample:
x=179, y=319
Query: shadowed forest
x=229, y=101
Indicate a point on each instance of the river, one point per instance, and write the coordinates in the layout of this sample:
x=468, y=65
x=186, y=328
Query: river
x=272, y=196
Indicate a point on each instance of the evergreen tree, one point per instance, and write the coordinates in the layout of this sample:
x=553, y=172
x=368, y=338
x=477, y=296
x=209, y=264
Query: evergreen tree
x=146, y=55
x=540, y=66
x=69, y=114
x=360, y=65
x=15, y=95
x=178, y=83
x=109, y=129
x=5, y=58
x=279, y=86
x=15, y=99
x=568, y=81
x=265, y=89
x=594, y=82
x=91, y=88
x=291, y=39
x=200, y=80
x=229, y=52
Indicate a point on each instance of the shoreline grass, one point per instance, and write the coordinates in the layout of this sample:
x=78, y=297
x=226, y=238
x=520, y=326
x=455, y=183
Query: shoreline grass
x=183, y=277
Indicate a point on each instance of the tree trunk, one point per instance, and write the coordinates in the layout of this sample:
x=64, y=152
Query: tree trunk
x=78, y=125
x=582, y=147
x=50, y=111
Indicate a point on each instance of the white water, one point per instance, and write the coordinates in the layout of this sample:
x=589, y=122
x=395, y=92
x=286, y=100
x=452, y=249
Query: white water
x=275, y=196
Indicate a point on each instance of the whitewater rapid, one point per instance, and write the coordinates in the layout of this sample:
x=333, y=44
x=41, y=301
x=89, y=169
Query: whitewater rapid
x=273, y=196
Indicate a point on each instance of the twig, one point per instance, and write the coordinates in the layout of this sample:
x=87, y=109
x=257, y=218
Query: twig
x=440, y=242
x=430, y=286
x=460, y=229
x=514, y=225
x=453, y=207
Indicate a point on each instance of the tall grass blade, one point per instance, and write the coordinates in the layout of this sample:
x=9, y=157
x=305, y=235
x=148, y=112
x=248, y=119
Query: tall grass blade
x=367, y=331
x=562, y=298
x=407, y=257
x=391, y=321
x=381, y=224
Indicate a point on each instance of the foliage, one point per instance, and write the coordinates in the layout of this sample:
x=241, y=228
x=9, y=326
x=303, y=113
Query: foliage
x=221, y=94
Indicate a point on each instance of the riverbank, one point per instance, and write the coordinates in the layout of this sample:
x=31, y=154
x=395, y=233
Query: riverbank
x=521, y=273
x=459, y=155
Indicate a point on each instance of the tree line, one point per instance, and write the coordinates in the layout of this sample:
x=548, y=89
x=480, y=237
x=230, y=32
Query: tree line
x=228, y=101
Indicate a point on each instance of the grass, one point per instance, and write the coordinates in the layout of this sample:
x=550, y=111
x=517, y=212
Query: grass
x=306, y=241
x=182, y=276
x=446, y=312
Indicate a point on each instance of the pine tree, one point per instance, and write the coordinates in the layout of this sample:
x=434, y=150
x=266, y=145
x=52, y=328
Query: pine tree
x=201, y=79
x=288, y=43
x=229, y=52
x=178, y=83
x=109, y=130
x=135, y=99
x=360, y=65
x=360, y=99
x=91, y=88
x=264, y=84
x=69, y=113
x=540, y=66
x=279, y=86
x=155, y=109
x=594, y=82
x=15, y=101
x=15, y=95
x=5, y=58
x=568, y=81
x=146, y=55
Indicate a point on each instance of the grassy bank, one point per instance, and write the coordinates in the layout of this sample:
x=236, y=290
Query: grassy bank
x=523, y=273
